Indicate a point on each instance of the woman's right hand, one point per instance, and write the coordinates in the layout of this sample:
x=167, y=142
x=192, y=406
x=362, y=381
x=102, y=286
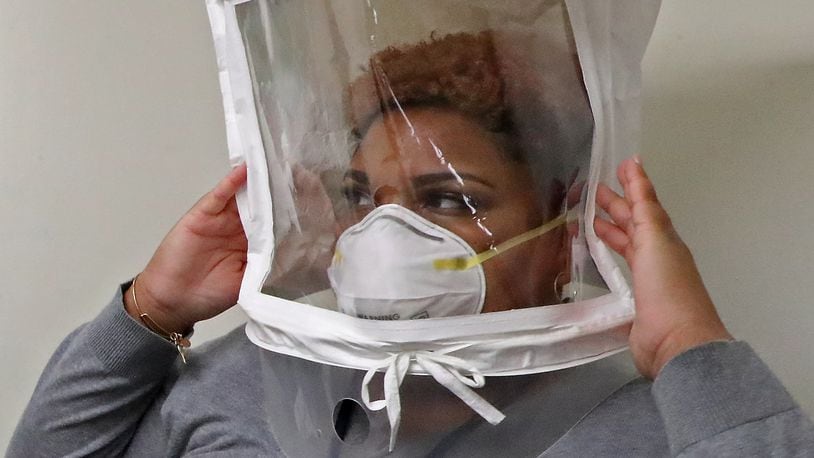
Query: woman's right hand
x=196, y=271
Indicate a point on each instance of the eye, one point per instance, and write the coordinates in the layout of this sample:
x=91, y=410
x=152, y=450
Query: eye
x=450, y=202
x=357, y=195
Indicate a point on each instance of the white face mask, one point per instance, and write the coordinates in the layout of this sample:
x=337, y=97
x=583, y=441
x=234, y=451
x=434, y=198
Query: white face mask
x=383, y=269
x=396, y=265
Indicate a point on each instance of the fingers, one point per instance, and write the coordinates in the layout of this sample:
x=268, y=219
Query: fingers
x=612, y=235
x=613, y=204
x=646, y=210
x=619, y=210
x=621, y=174
x=216, y=200
x=639, y=195
x=638, y=209
x=634, y=180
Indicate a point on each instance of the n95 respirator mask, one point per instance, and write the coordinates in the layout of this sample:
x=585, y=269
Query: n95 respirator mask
x=396, y=265
x=383, y=269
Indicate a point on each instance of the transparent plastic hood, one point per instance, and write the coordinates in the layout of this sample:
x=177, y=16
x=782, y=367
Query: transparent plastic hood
x=421, y=185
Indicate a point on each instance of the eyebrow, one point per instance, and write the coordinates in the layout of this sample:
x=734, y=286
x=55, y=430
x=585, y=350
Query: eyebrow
x=435, y=178
x=428, y=179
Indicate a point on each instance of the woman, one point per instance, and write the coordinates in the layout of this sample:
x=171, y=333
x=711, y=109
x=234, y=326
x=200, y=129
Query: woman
x=101, y=392
x=112, y=387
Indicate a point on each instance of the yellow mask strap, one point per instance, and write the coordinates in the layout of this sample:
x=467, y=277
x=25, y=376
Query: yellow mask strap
x=472, y=261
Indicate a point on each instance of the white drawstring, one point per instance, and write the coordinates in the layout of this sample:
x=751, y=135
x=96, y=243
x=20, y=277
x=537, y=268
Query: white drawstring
x=445, y=369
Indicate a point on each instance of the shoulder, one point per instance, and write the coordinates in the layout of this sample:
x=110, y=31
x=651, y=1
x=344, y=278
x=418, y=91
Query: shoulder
x=223, y=352
x=214, y=403
x=220, y=363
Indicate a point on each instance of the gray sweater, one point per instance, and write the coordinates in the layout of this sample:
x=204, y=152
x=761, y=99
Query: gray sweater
x=114, y=388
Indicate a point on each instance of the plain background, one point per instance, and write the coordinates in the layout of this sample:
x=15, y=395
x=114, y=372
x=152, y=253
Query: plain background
x=111, y=127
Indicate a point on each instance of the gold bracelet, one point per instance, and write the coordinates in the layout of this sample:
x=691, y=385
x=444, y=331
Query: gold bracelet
x=181, y=341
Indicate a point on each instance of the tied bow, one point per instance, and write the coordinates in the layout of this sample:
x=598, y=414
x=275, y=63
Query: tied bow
x=445, y=369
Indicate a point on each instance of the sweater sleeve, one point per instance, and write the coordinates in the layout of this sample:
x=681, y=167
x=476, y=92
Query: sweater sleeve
x=720, y=399
x=95, y=388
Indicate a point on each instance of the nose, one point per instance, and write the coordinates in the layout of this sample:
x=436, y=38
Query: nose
x=388, y=195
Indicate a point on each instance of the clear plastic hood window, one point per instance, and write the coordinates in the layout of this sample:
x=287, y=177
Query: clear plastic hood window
x=475, y=122
x=421, y=275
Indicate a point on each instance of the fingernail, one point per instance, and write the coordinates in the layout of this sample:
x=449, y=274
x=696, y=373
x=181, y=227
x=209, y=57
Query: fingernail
x=637, y=159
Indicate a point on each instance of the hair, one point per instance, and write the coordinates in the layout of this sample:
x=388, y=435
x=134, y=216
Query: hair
x=458, y=71
x=512, y=84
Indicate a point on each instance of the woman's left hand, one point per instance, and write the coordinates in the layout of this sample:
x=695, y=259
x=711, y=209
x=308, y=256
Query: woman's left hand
x=673, y=309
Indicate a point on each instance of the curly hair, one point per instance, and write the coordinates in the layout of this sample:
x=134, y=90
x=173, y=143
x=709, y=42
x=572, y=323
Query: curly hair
x=459, y=71
x=502, y=80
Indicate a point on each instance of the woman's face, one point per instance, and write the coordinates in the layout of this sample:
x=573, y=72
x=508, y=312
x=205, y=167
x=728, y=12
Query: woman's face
x=443, y=166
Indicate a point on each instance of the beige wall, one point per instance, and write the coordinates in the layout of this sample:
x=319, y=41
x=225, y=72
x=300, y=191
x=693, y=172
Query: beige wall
x=111, y=127
x=728, y=135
